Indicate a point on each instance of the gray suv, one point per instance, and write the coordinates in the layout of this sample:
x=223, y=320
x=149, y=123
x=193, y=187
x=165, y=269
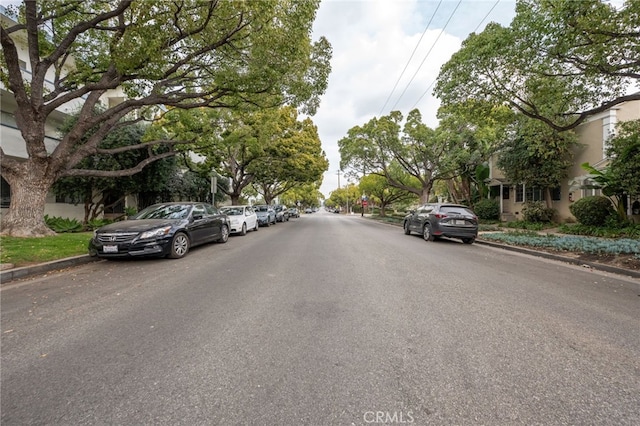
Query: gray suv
x=435, y=220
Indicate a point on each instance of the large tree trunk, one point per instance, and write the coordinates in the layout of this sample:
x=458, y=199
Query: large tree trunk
x=25, y=217
x=426, y=192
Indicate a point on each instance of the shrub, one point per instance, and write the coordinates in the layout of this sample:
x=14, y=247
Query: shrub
x=592, y=211
x=537, y=212
x=62, y=224
x=487, y=209
x=97, y=223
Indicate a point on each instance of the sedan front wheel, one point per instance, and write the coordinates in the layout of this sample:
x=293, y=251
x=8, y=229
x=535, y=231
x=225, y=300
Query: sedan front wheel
x=179, y=245
x=224, y=234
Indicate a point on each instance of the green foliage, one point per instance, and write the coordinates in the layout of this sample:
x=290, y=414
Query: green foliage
x=487, y=209
x=581, y=53
x=60, y=224
x=523, y=224
x=97, y=223
x=624, y=152
x=620, y=231
x=535, y=154
x=569, y=243
x=592, y=211
x=537, y=212
x=163, y=55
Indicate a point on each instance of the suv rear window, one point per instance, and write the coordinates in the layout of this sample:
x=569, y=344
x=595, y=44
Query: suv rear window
x=455, y=210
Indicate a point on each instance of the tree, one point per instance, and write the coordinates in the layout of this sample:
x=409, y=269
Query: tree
x=180, y=54
x=345, y=197
x=292, y=154
x=624, y=152
x=377, y=188
x=621, y=178
x=374, y=147
x=537, y=155
x=307, y=195
x=586, y=53
x=474, y=129
x=94, y=191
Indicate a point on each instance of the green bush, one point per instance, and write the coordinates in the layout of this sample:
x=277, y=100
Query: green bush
x=63, y=224
x=487, y=209
x=592, y=211
x=537, y=212
x=521, y=224
x=628, y=230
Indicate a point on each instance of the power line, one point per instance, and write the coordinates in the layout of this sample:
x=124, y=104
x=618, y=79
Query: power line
x=411, y=57
x=475, y=31
x=427, y=55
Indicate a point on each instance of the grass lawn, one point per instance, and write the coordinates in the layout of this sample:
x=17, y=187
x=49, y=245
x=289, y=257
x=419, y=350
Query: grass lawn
x=25, y=251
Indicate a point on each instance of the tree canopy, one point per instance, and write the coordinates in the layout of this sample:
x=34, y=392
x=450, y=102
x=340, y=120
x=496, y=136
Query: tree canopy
x=154, y=55
x=586, y=53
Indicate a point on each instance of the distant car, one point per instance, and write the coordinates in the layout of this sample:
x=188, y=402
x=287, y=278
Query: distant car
x=282, y=213
x=308, y=210
x=435, y=220
x=294, y=212
x=266, y=215
x=241, y=219
x=166, y=229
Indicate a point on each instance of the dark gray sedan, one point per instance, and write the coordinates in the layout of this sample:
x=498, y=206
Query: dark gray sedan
x=435, y=220
x=166, y=229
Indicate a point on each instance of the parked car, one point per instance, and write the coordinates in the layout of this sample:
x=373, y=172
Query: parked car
x=266, y=215
x=166, y=229
x=294, y=212
x=241, y=219
x=308, y=210
x=435, y=220
x=282, y=213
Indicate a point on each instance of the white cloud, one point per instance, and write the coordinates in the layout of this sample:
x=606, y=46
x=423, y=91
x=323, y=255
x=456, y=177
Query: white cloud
x=372, y=42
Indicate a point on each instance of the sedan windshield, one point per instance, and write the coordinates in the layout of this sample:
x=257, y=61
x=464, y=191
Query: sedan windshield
x=165, y=211
x=232, y=211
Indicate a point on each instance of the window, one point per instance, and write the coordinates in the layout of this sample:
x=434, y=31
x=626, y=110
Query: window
x=556, y=194
x=589, y=192
x=533, y=194
x=520, y=193
x=5, y=194
x=22, y=64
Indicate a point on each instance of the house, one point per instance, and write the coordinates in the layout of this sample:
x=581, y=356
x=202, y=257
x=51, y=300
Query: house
x=593, y=135
x=12, y=142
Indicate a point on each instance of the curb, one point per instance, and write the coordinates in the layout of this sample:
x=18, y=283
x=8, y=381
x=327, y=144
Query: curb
x=27, y=271
x=591, y=265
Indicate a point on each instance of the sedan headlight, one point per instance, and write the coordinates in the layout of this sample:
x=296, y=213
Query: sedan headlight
x=160, y=232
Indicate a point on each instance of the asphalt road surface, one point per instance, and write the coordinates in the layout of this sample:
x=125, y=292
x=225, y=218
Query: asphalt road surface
x=323, y=320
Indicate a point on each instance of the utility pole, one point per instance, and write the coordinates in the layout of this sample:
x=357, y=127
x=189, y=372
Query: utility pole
x=339, y=171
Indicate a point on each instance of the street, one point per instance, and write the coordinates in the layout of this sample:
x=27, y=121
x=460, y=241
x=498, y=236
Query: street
x=323, y=320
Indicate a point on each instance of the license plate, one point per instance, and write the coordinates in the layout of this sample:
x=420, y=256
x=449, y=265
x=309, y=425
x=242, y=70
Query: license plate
x=110, y=249
x=460, y=222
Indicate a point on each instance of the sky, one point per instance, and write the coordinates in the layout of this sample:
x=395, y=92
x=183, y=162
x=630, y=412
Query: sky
x=386, y=57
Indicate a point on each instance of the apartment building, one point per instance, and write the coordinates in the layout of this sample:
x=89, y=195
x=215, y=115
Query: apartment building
x=593, y=135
